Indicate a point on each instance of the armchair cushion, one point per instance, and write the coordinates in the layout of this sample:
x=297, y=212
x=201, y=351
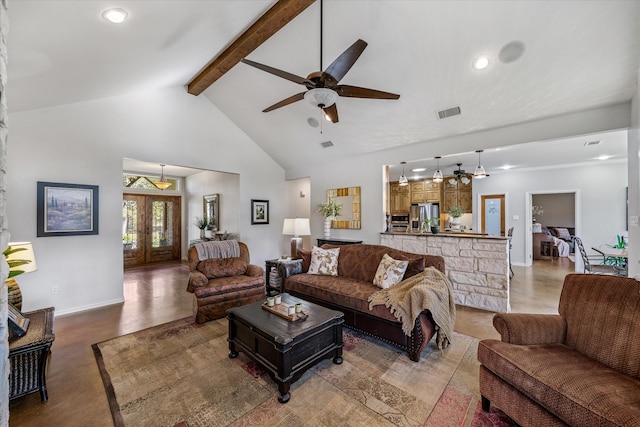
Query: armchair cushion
x=222, y=267
x=562, y=233
x=529, y=329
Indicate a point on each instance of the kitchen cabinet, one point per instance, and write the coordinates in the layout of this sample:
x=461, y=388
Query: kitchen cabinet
x=457, y=194
x=425, y=192
x=400, y=198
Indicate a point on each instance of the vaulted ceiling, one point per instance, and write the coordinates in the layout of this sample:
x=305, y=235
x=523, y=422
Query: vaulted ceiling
x=577, y=56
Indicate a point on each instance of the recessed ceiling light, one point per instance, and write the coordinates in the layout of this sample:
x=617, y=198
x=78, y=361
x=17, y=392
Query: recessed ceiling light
x=506, y=167
x=115, y=15
x=603, y=157
x=418, y=170
x=481, y=62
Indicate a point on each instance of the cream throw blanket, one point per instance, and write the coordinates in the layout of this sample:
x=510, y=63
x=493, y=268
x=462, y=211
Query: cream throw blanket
x=428, y=290
x=217, y=249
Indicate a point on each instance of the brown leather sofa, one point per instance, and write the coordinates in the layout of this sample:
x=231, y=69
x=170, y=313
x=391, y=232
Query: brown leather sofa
x=350, y=289
x=219, y=284
x=578, y=368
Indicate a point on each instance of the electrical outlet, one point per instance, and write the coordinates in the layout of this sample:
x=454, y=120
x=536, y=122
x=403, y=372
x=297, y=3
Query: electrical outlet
x=54, y=290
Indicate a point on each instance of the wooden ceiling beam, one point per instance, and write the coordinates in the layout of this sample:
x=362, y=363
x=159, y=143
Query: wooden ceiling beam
x=279, y=15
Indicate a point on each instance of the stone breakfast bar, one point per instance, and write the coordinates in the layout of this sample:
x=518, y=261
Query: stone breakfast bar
x=477, y=265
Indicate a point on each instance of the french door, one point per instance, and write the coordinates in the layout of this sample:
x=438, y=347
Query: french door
x=492, y=214
x=150, y=229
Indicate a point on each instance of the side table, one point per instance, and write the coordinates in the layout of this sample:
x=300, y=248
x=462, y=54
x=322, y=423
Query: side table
x=269, y=264
x=28, y=355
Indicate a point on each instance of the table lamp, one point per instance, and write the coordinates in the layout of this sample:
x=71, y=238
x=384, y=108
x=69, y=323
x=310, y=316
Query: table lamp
x=296, y=227
x=21, y=259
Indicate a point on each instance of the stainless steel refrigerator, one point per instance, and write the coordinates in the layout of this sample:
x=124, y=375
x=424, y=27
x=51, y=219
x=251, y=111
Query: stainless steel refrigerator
x=418, y=212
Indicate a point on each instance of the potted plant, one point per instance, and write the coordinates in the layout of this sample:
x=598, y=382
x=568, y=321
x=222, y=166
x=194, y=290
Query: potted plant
x=201, y=223
x=330, y=211
x=432, y=224
x=455, y=212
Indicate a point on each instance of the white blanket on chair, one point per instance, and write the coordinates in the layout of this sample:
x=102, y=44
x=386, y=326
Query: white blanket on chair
x=563, y=247
x=218, y=249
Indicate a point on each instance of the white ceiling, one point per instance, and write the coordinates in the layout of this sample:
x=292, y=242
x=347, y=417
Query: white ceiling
x=578, y=55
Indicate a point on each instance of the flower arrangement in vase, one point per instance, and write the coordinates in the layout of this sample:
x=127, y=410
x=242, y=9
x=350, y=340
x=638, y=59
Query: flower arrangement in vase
x=330, y=211
x=202, y=224
x=455, y=212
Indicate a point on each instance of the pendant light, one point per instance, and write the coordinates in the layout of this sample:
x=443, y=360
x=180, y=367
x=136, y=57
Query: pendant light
x=162, y=184
x=403, y=181
x=437, y=176
x=479, y=173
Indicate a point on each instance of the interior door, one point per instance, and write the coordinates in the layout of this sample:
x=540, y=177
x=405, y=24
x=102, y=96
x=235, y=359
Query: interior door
x=492, y=214
x=150, y=229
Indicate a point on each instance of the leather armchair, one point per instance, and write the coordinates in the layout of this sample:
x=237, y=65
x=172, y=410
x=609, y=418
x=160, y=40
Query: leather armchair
x=219, y=284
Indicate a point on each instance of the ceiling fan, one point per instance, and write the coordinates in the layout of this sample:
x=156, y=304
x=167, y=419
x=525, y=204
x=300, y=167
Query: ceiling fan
x=323, y=87
x=460, y=175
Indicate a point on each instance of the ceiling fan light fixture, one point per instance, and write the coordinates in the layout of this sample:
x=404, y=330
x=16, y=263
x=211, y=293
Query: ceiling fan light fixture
x=403, y=181
x=437, y=176
x=321, y=97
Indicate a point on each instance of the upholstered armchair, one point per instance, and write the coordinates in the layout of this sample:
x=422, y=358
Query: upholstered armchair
x=580, y=367
x=223, y=282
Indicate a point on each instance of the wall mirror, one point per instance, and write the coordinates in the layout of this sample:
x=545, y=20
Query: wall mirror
x=349, y=198
x=211, y=211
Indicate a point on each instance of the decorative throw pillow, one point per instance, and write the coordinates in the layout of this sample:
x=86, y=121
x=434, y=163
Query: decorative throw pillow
x=563, y=233
x=324, y=261
x=390, y=271
x=415, y=266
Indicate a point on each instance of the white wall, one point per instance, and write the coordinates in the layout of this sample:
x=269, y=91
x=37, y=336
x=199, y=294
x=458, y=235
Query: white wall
x=85, y=143
x=227, y=186
x=600, y=195
x=634, y=185
x=366, y=171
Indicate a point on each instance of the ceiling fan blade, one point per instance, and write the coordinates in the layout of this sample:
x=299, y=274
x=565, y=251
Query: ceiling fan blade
x=345, y=61
x=332, y=113
x=289, y=100
x=279, y=73
x=361, y=92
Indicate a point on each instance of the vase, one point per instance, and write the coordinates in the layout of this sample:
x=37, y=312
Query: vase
x=14, y=294
x=455, y=223
x=202, y=234
x=327, y=227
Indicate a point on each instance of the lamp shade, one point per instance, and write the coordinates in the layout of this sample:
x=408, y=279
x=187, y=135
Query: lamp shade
x=296, y=227
x=24, y=253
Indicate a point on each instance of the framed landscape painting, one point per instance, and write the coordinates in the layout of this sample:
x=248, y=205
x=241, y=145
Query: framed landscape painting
x=67, y=209
x=259, y=212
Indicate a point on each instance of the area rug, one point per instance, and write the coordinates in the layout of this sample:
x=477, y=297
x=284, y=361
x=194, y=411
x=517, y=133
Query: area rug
x=179, y=373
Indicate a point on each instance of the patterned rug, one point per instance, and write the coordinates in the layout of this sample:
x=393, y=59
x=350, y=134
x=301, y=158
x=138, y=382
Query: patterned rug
x=179, y=373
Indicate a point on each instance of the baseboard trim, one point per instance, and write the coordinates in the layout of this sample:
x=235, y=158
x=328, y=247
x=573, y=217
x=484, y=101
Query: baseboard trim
x=88, y=307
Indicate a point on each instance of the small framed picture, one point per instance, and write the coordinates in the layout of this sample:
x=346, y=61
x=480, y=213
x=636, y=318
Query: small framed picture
x=259, y=212
x=67, y=209
x=18, y=323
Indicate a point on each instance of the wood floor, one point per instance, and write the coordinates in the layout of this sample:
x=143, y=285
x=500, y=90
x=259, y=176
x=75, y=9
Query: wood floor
x=157, y=295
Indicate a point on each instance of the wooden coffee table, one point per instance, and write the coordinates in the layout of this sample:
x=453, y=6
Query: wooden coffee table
x=285, y=349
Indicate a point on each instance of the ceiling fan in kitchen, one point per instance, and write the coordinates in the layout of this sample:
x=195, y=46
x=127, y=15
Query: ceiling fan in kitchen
x=323, y=87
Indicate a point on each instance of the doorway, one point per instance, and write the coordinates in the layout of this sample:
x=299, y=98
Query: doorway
x=150, y=229
x=492, y=214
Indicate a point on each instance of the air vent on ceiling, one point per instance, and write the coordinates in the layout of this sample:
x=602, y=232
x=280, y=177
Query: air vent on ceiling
x=449, y=112
x=326, y=144
x=588, y=143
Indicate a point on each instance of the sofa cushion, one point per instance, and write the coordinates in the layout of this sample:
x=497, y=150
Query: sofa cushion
x=230, y=285
x=577, y=389
x=389, y=272
x=222, y=267
x=349, y=293
x=324, y=261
